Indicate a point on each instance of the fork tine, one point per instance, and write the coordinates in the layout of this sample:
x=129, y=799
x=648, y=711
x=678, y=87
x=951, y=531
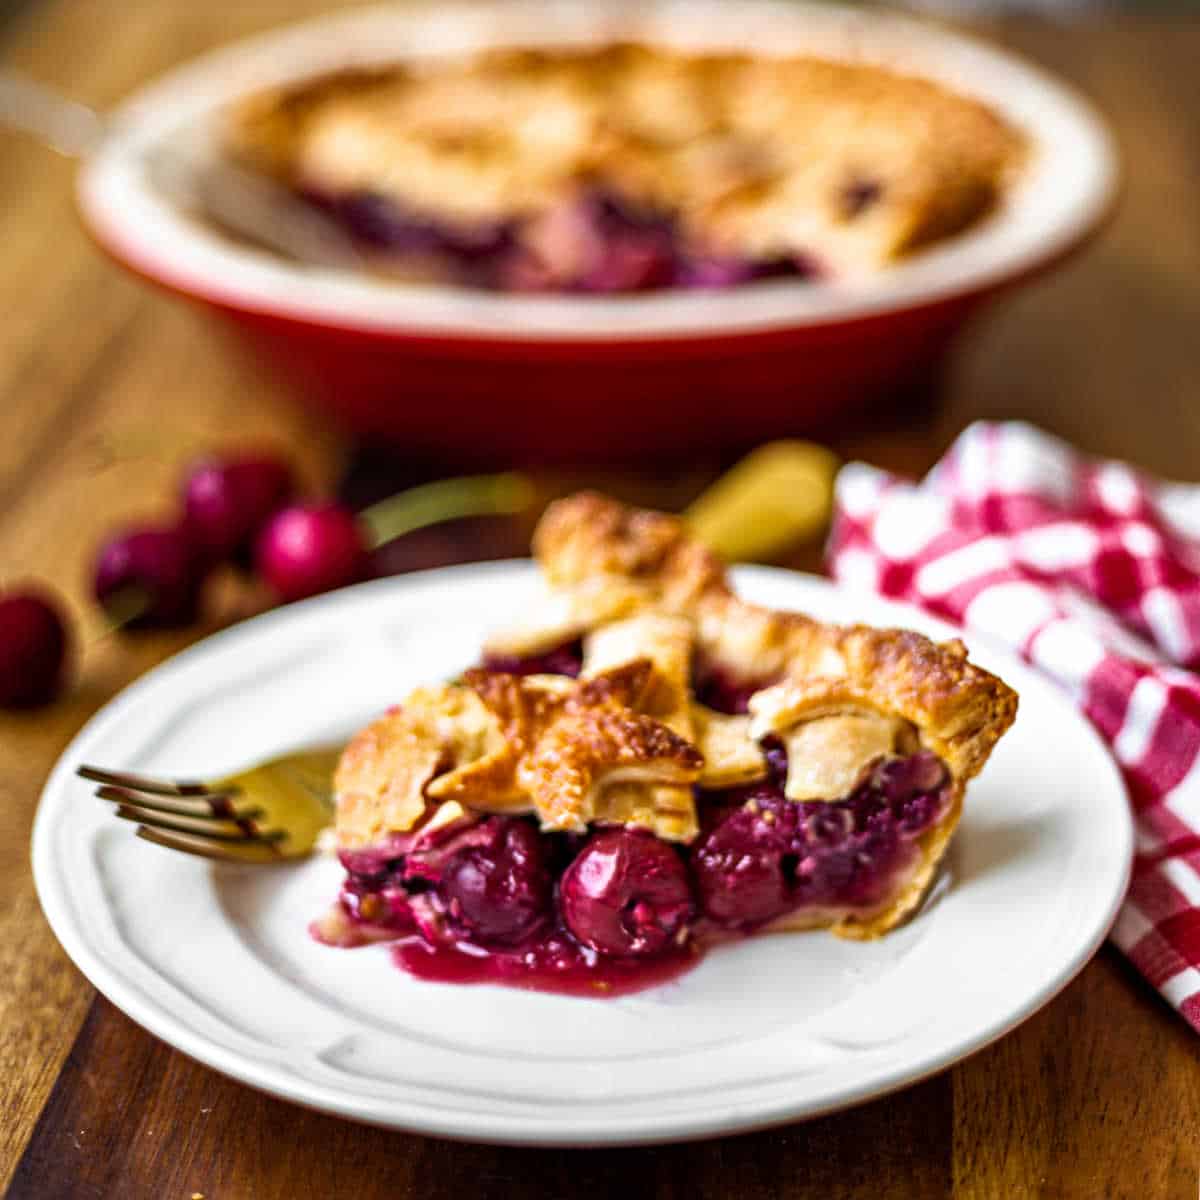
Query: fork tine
x=204, y=847
x=220, y=831
x=145, y=783
x=179, y=806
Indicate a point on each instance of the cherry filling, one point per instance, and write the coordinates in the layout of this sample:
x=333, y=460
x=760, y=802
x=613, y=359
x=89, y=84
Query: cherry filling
x=499, y=902
x=495, y=900
x=725, y=693
x=597, y=242
x=767, y=856
x=562, y=660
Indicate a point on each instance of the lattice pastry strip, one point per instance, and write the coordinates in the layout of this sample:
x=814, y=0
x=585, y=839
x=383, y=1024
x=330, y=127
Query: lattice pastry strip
x=561, y=751
x=668, y=810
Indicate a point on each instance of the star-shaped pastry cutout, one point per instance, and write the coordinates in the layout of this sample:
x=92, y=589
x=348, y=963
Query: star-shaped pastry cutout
x=562, y=747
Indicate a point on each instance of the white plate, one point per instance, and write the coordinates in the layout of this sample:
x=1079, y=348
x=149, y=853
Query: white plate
x=217, y=962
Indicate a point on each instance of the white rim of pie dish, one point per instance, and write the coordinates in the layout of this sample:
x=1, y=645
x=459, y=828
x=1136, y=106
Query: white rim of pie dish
x=1062, y=194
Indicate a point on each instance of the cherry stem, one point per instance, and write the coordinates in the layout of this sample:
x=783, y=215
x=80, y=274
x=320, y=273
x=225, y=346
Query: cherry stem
x=446, y=500
x=122, y=606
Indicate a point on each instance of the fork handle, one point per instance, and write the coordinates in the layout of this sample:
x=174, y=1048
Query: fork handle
x=64, y=125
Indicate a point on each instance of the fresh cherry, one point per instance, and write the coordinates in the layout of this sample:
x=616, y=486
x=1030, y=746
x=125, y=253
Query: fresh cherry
x=306, y=549
x=33, y=648
x=500, y=894
x=626, y=894
x=148, y=578
x=227, y=501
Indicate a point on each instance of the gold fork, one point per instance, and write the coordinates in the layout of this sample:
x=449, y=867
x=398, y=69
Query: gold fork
x=269, y=813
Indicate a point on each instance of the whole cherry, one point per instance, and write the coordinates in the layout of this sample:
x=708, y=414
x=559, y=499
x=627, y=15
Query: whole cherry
x=306, y=549
x=626, y=894
x=500, y=893
x=33, y=648
x=228, y=500
x=147, y=577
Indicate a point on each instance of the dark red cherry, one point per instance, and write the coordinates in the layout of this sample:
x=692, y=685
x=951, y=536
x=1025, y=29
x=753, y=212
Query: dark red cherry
x=743, y=867
x=148, y=578
x=33, y=648
x=307, y=549
x=227, y=501
x=626, y=894
x=500, y=894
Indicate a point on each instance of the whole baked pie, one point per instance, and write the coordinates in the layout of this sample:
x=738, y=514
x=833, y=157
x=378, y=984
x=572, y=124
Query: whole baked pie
x=649, y=766
x=624, y=168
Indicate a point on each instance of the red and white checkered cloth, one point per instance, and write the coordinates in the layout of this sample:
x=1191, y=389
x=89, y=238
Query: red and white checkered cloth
x=1091, y=570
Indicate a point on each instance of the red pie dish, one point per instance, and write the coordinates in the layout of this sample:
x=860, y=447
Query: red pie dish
x=695, y=306
x=651, y=766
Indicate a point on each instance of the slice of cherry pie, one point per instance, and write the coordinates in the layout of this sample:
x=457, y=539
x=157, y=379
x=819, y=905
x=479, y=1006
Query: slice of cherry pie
x=651, y=765
x=625, y=168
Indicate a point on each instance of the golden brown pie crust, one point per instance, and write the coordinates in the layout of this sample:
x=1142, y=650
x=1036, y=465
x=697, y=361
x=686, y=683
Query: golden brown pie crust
x=848, y=163
x=626, y=743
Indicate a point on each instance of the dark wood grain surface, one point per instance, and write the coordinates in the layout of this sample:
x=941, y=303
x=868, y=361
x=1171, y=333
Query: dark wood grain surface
x=106, y=388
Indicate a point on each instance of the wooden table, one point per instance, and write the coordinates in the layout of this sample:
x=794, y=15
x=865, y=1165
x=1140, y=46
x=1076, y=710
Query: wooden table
x=106, y=387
